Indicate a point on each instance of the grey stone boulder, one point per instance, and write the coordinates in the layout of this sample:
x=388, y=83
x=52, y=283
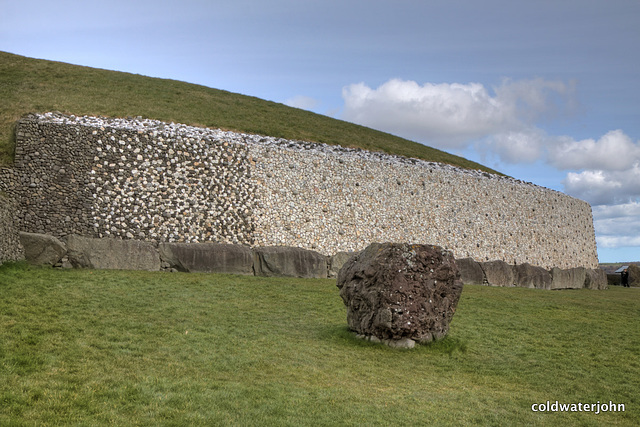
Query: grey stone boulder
x=595, y=279
x=207, y=257
x=499, y=273
x=112, y=254
x=397, y=293
x=529, y=276
x=572, y=278
x=470, y=271
x=285, y=261
x=42, y=249
x=336, y=262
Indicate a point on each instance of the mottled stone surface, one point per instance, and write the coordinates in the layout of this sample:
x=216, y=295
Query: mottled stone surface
x=529, y=276
x=499, y=273
x=470, y=271
x=570, y=278
x=596, y=279
x=42, y=249
x=398, y=292
x=207, y=257
x=112, y=254
x=10, y=247
x=286, y=261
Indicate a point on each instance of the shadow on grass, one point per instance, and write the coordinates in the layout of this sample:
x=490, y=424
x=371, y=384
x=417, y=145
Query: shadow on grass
x=343, y=336
x=10, y=268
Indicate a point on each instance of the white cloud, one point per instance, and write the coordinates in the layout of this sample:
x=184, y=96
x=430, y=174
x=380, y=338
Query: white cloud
x=600, y=187
x=524, y=146
x=609, y=180
x=303, y=102
x=453, y=115
x=614, y=151
x=617, y=225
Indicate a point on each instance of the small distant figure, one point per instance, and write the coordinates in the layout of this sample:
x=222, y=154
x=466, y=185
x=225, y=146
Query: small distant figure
x=624, y=278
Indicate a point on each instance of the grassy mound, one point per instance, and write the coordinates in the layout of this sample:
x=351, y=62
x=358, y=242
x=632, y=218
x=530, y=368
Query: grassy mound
x=31, y=85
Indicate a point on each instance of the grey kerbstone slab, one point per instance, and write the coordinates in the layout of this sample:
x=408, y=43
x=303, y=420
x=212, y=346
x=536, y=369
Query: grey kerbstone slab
x=289, y=262
x=112, y=254
x=470, y=271
x=42, y=249
x=208, y=257
x=571, y=278
x=529, y=276
x=499, y=273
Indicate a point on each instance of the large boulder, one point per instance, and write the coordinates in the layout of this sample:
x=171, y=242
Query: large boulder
x=470, y=271
x=42, y=249
x=400, y=293
x=529, y=276
x=289, y=262
x=572, y=278
x=595, y=279
x=112, y=254
x=499, y=273
x=207, y=257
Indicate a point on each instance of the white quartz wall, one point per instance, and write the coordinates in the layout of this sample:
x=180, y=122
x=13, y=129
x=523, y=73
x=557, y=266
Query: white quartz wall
x=148, y=180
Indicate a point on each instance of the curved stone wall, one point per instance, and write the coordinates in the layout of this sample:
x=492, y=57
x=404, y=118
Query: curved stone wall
x=148, y=180
x=10, y=249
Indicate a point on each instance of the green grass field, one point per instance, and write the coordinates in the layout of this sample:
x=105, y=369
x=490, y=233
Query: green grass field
x=30, y=85
x=85, y=347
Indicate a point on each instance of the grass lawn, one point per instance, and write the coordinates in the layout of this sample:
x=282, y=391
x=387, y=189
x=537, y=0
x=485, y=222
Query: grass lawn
x=148, y=348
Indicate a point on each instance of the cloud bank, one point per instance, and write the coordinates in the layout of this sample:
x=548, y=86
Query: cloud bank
x=506, y=122
x=453, y=115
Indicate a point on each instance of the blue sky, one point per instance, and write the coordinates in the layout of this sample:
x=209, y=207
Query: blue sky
x=544, y=91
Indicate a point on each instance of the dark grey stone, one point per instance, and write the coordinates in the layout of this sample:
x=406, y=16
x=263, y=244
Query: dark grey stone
x=289, y=262
x=207, y=257
x=399, y=293
x=112, y=254
x=42, y=248
x=470, y=271
x=529, y=276
x=595, y=279
x=572, y=278
x=499, y=273
x=10, y=247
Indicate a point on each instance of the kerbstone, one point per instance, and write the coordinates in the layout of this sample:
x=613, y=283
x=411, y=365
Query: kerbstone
x=289, y=262
x=499, y=273
x=529, y=276
x=595, y=279
x=208, y=257
x=470, y=271
x=42, y=249
x=112, y=254
x=571, y=278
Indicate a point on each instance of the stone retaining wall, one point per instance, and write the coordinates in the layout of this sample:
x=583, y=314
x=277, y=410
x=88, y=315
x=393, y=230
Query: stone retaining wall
x=10, y=248
x=159, y=182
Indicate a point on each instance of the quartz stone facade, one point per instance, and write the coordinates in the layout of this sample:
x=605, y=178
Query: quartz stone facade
x=165, y=182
